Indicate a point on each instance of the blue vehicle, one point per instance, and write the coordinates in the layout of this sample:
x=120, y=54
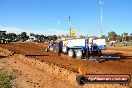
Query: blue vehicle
x=79, y=47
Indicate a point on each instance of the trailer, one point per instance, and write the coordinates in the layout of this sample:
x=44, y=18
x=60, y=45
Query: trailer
x=79, y=48
x=83, y=47
x=86, y=49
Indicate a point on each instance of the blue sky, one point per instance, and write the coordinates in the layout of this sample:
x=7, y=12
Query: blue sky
x=51, y=16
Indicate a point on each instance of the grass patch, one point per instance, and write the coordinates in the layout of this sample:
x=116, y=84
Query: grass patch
x=5, y=80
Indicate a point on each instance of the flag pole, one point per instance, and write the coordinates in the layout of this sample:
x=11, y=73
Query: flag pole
x=70, y=26
x=101, y=16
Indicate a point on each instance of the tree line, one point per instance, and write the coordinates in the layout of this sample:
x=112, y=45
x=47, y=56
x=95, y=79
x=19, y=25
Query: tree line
x=23, y=36
x=112, y=36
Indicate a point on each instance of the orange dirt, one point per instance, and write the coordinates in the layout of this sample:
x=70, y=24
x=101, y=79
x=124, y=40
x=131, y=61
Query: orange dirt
x=35, y=53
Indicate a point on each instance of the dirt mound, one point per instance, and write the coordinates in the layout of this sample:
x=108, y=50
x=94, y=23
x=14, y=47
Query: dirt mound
x=5, y=52
x=36, y=74
x=48, y=70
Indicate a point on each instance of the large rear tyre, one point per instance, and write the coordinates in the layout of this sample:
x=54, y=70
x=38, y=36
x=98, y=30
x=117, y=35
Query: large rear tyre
x=71, y=53
x=79, y=54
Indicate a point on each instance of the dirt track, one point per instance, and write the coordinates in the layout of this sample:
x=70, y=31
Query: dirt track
x=36, y=52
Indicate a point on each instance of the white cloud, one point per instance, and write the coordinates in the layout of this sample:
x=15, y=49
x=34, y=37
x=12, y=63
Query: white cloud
x=37, y=31
x=28, y=31
x=57, y=31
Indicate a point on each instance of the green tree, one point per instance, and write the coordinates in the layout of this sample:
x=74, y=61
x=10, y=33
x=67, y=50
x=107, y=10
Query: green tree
x=112, y=36
x=67, y=36
x=125, y=36
x=81, y=36
x=62, y=36
x=119, y=39
x=103, y=36
x=37, y=36
x=49, y=37
x=54, y=37
x=32, y=34
x=41, y=37
x=122, y=39
x=59, y=37
x=24, y=36
x=11, y=35
x=131, y=37
x=18, y=37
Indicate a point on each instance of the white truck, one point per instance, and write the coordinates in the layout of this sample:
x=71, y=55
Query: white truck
x=80, y=47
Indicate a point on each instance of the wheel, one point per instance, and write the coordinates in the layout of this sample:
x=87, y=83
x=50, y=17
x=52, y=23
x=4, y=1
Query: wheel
x=2, y=41
x=70, y=53
x=79, y=54
x=5, y=41
x=81, y=80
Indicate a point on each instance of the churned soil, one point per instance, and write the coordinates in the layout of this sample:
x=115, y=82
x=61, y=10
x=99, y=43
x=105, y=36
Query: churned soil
x=36, y=68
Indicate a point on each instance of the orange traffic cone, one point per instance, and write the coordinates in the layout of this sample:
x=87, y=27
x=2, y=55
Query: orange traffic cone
x=81, y=72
